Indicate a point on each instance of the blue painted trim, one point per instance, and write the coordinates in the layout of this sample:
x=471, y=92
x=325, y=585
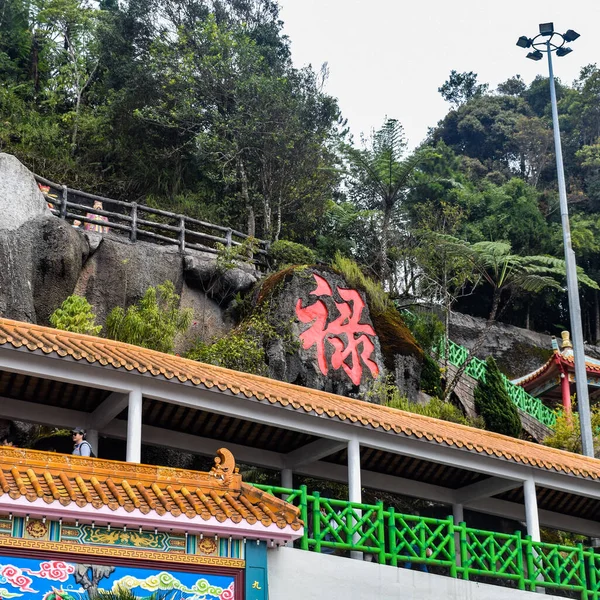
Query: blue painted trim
x=257, y=585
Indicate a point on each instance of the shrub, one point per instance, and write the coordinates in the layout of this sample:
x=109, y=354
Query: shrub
x=242, y=349
x=377, y=297
x=427, y=328
x=75, y=314
x=567, y=432
x=228, y=257
x=493, y=403
x=386, y=393
x=283, y=253
x=151, y=323
x=431, y=378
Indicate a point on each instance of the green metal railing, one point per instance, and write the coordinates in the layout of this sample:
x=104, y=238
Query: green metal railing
x=457, y=355
x=452, y=549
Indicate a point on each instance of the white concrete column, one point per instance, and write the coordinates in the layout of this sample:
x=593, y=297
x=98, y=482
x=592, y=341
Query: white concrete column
x=458, y=515
x=91, y=435
x=287, y=480
x=134, y=427
x=531, y=510
x=354, y=483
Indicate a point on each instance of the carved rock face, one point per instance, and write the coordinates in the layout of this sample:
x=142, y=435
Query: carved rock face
x=330, y=343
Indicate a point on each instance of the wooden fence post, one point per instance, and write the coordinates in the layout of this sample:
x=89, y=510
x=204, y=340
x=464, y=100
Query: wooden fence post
x=182, y=233
x=133, y=214
x=228, y=238
x=63, y=202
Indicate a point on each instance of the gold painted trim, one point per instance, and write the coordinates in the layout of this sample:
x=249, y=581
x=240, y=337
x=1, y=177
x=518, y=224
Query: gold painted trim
x=120, y=552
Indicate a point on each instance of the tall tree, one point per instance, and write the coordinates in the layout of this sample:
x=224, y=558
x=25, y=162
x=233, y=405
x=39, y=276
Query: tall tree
x=380, y=176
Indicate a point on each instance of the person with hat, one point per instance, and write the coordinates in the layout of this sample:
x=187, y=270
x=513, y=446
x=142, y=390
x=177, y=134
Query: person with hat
x=82, y=447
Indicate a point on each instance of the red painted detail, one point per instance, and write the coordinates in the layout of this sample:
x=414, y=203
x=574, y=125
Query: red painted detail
x=349, y=338
x=323, y=287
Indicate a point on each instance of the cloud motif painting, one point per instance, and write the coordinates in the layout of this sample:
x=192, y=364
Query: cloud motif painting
x=59, y=580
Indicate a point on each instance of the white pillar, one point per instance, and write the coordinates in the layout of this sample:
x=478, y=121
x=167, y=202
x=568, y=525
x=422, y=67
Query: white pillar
x=91, y=435
x=354, y=483
x=458, y=515
x=134, y=427
x=531, y=510
x=287, y=480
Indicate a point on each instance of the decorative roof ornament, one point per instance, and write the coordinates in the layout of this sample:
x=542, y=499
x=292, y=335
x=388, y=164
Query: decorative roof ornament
x=224, y=468
x=566, y=340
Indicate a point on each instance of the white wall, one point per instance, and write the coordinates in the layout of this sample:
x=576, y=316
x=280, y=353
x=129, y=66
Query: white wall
x=300, y=575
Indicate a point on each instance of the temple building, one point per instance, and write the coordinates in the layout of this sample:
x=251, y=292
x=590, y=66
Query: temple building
x=73, y=527
x=554, y=381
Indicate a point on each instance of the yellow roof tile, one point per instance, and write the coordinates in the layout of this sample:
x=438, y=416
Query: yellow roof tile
x=102, y=351
x=68, y=479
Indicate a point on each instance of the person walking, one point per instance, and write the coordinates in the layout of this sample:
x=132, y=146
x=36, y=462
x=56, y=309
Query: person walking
x=82, y=447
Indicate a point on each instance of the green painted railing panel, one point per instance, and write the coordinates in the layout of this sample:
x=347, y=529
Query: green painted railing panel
x=534, y=407
x=450, y=548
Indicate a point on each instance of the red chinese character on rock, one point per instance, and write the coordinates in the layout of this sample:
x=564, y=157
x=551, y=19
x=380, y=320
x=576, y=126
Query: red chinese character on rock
x=346, y=334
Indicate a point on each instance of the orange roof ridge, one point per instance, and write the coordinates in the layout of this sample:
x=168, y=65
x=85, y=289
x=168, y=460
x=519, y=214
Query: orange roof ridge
x=293, y=397
x=81, y=481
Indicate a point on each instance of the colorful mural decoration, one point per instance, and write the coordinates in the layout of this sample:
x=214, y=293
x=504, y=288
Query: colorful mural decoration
x=350, y=339
x=58, y=580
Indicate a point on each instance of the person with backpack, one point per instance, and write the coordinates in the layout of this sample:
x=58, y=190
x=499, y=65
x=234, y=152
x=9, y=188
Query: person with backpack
x=82, y=447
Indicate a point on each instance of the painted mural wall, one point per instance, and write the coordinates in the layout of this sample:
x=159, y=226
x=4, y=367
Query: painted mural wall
x=57, y=580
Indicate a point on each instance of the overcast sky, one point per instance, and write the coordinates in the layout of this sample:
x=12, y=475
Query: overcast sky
x=388, y=57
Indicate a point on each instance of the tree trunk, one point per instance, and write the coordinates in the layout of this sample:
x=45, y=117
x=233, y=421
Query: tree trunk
x=278, y=227
x=246, y=198
x=387, y=215
x=478, y=342
x=597, y=316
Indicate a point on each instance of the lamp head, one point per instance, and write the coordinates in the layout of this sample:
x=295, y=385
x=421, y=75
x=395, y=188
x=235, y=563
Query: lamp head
x=570, y=35
x=535, y=55
x=546, y=28
x=564, y=51
x=524, y=42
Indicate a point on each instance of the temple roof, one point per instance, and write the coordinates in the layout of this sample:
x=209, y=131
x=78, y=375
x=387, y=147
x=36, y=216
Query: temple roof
x=117, y=355
x=106, y=490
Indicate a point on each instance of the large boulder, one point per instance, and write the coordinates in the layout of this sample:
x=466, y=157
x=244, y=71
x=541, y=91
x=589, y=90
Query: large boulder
x=326, y=336
x=202, y=272
x=119, y=273
x=41, y=263
x=20, y=198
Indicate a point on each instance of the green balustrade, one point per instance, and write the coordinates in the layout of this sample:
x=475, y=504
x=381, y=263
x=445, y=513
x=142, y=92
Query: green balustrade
x=534, y=407
x=449, y=548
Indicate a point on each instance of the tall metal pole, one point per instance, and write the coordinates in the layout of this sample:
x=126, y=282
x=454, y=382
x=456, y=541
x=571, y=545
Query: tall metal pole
x=583, y=401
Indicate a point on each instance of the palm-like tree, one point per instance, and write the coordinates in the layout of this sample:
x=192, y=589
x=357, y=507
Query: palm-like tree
x=379, y=177
x=506, y=273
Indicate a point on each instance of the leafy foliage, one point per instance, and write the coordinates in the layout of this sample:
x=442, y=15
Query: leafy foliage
x=243, y=348
x=229, y=257
x=567, y=432
x=386, y=393
x=151, y=323
x=493, y=403
x=75, y=314
x=461, y=87
x=283, y=253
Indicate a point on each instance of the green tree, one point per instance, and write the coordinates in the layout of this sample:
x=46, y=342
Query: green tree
x=493, y=264
x=75, y=314
x=567, y=432
x=461, y=87
x=151, y=323
x=379, y=178
x=493, y=403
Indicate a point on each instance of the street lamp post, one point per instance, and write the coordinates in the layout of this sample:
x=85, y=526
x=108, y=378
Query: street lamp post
x=547, y=42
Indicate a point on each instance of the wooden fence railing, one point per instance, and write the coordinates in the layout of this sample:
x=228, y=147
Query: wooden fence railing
x=138, y=221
